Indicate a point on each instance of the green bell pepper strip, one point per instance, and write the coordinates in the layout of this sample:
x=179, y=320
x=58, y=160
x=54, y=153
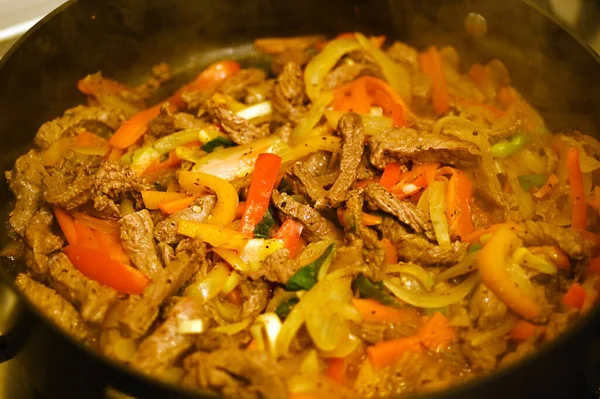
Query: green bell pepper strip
x=509, y=146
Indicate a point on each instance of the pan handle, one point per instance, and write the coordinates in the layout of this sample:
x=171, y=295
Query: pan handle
x=13, y=322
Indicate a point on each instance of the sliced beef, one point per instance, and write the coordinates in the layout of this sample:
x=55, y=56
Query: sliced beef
x=484, y=357
x=105, y=91
x=168, y=122
x=486, y=308
x=239, y=130
x=316, y=225
x=297, y=56
x=317, y=164
x=415, y=248
x=237, y=86
x=53, y=306
x=211, y=341
x=140, y=311
x=137, y=240
x=255, y=297
x=304, y=183
x=365, y=171
x=348, y=72
x=201, y=208
x=288, y=95
x=165, y=346
x=113, y=182
x=351, y=129
x=235, y=373
x=408, y=145
x=25, y=181
x=569, y=240
x=277, y=267
x=407, y=212
x=39, y=236
x=37, y=264
x=91, y=298
x=404, y=54
x=488, y=186
x=80, y=116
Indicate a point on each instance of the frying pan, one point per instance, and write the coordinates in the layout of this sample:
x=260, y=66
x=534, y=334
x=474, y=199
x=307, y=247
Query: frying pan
x=124, y=38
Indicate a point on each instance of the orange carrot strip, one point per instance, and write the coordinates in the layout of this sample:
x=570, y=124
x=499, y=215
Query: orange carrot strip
x=476, y=235
x=175, y=205
x=579, y=211
x=114, y=154
x=458, y=205
x=367, y=219
x=522, y=330
x=547, y=187
x=575, y=296
x=111, y=245
x=391, y=255
x=437, y=333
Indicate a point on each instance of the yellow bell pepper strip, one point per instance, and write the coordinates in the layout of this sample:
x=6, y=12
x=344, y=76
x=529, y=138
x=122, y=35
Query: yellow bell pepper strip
x=176, y=205
x=391, y=175
x=136, y=126
x=579, y=206
x=492, y=261
x=458, y=205
x=217, y=236
x=153, y=198
x=98, y=266
x=259, y=195
x=227, y=197
x=431, y=65
x=232, y=258
x=104, y=225
x=66, y=223
x=290, y=232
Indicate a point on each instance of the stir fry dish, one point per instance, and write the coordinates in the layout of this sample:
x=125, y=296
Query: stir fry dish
x=362, y=219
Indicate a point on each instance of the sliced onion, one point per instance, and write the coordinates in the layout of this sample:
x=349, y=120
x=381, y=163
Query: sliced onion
x=256, y=111
x=414, y=270
x=429, y=300
x=233, y=328
x=232, y=282
x=345, y=347
x=194, y=326
x=586, y=163
x=257, y=250
x=423, y=203
x=227, y=310
x=525, y=258
x=466, y=265
x=189, y=154
x=437, y=212
x=211, y=284
x=312, y=117
x=269, y=327
x=232, y=258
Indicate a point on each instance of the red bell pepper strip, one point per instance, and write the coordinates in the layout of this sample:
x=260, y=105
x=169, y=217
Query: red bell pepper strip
x=98, y=266
x=107, y=226
x=458, y=205
x=575, y=296
x=290, y=232
x=431, y=65
x=111, y=245
x=67, y=225
x=391, y=254
x=85, y=236
x=391, y=175
x=522, y=330
x=136, y=126
x=266, y=170
x=579, y=210
x=336, y=368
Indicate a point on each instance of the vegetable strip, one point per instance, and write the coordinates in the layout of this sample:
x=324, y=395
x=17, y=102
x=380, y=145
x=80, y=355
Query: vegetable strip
x=579, y=206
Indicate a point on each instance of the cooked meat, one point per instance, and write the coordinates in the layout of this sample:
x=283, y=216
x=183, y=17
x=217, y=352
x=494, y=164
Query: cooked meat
x=484, y=357
x=137, y=240
x=316, y=225
x=288, y=95
x=80, y=116
x=347, y=72
x=406, y=211
x=285, y=131
x=542, y=233
x=38, y=233
x=486, y=308
x=166, y=253
x=407, y=145
x=168, y=122
x=112, y=183
x=25, y=181
x=255, y=296
x=37, y=264
x=415, y=248
x=53, y=306
x=239, y=130
x=488, y=187
x=317, y=164
x=351, y=129
x=277, y=267
x=297, y=56
x=404, y=54
x=166, y=345
x=211, y=340
x=201, y=208
x=366, y=171
x=235, y=373
x=91, y=298
x=238, y=85
x=306, y=183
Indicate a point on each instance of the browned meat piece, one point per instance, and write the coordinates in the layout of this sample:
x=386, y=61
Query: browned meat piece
x=255, y=296
x=317, y=164
x=486, y=308
x=235, y=373
x=351, y=129
x=201, y=208
x=558, y=322
x=165, y=252
x=53, y=306
x=259, y=93
x=136, y=237
x=285, y=131
x=91, y=298
x=168, y=122
x=277, y=267
x=317, y=226
x=38, y=234
x=165, y=346
x=365, y=169
x=415, y=248
x=112, y=182
x=113, y=94
x=404, y=54
x=140, y=311
x=489, y=187
x=288, y=95
x=484, y=357
x=405, y=145
x=37, y=264
x=25, y=181
x=303, y=183
x=407, y=212
x=211, y=341
x=80, y=116
x=377, y=332
x=570, y=241
x=347, y=72
x=237, y=85
x=160, y=73
x=239, y=130
x=300, y=57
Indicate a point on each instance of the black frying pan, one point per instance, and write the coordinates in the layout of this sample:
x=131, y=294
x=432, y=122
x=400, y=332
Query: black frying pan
x=124, y=38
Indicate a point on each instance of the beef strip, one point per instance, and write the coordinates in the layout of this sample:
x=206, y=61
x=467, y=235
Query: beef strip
x=277, y=267
x=365, y=170
x=235, y=373
x=569, y=240
x=37, y=264
x=25, y=181
x=303, y=183
x=91, y=298
x=318, y=227
x=255, y=297
x=486, y=308
x=317, y=164
x=166, y=253
x=237, y=85
x=239, y=130
x=165, y=346
x=415, y=248
x=488, y=186
x=348, y=72
x=80, y=116
x=211, y=341
x=113, y=182
x=38, y=234
x=167, y=122
x=166, y=231
x=288, y=95
x=137, y=240
x=140, y=311
x=53, y=306
x=407, y=212
x=297, y=56
x=405, y=145
x=351, y=128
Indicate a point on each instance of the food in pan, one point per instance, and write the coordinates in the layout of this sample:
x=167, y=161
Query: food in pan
x=362, y=219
